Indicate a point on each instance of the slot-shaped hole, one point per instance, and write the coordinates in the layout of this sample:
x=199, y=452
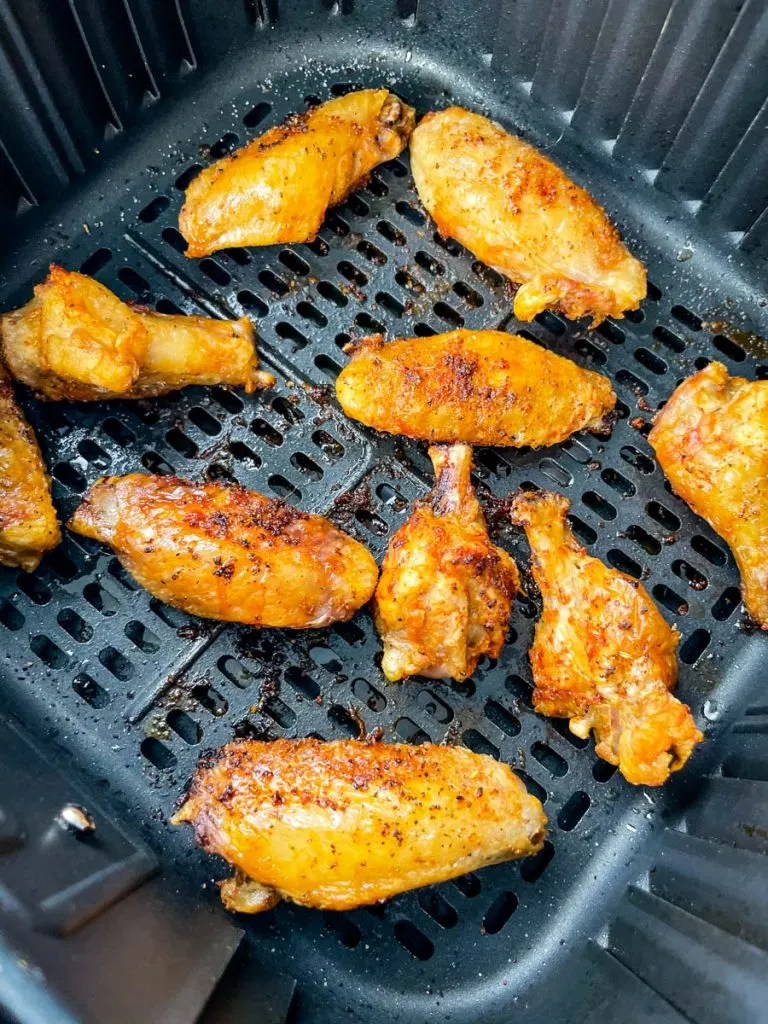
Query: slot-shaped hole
x=392, y=497
x=694, y=646
x=411, y=213
x=116, y=663
x=410, y=732
x=346, y=931
x=560, y=725
x=582, y=531
x=204, y=421
x=157, y=464
x=683, y=570
x=434, y=707
x=294, y=262
x=479, y=744
x=589, y=352
x=373, y=523
x=390, y=303
x=636, y=458
x=708, y=550
x=662, y=515
x=532, y=868
x=121, y=575
x=284, y=488
x=629, y=380
x=599, y=505
x=643, y=539
x=729, y=348
x=557, y=473
x=90, y=691
x=376, y=187
x=266, y=432
x=11, y=617
x=210, y=699
x=34, y=588
x=448, y=314
x=491, y=278
x=502, y=718
x=416, y=942
x=611, y=332
x=618, y=483
x=166, y=306
x=72, y=478
x=391, y=233
x=235, y=671
x=95, y=262
x=686, y=317
x=548, y=758
x=439, y=909
x=654, y=292
x=175, y=239
x=499, y=912
x=288, y=409
x=49, y=652
x=352, y=273
x=256, y=115
x=423, y=330
x=142, y=637
x=186, y=177
x=93, y=454
x=326, y=659
x=472, y=298
x=279, y=712
x=100, y=599
x=252, y=302
x=357, y=205
x=227, y=400
x=162, y=757
x=179, y=441
x=574, y=809
x=310, y=312
x=369, y=252
x=172, y=617
x=332, y=294
x=551, y=323
x=668, y=339
x=274, y=283
x=369, y=695
x=224, y=145
x=329, y=367
x=726, y=604
x=63, y=565
x=670, y=600
x=302, y=683
x=450, y=245
x=429, y=263
x=118, y=432
x=73, y=624
x=153, y=210
x=138, y=285
x=307, y=466
x=603, y=772
x=577, y=451
x=292, y=334
x=344, y=720
x=238, y=256
x=621, y=561
x=650, y=360
x=332, y=449
x=215, y=272
x=185, y=726
x=367, y=322
x=520, y=689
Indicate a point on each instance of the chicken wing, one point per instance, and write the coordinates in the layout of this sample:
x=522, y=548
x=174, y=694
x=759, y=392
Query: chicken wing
x=343, y=824
x=480, y=387
x=28, y=524
x=602, y=654
x=711, y=439
x=227, y=553
x=445, y=591
x=75, y=339
x=517, y=211
x=278, y=187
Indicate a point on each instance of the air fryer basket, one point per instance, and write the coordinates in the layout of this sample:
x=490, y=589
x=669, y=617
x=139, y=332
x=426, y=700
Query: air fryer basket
x=645, y=904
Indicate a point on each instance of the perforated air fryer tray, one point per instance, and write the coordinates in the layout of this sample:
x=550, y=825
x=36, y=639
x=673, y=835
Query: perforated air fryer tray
x=133, y=691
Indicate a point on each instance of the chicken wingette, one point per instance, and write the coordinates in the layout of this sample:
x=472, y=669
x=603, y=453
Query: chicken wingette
x=711, y=440
x=445, y=593
x=518, y=212
x=279, y=187
x=480, y=387
x=28, y=524
x=228, y=553
x=602, y=654
x=75, y=339
x=344, y=824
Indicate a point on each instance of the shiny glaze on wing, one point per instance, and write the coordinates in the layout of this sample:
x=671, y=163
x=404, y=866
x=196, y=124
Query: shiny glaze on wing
x=517, y=211
x=223, y=552
x=279, y=187
x=75, y=339
x=343, y=824
x=603, y=655
x=445, y=592
x=28, y=524
x=711, y=440
x=479, y=387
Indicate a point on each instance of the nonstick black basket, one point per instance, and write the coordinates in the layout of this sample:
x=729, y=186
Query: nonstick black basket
x=645, y=904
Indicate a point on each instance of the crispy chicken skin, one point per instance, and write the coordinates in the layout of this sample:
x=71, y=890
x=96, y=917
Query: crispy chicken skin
x=517, y=211
x=480, y=387
x=228, y=553
x=343, y=824
x=75, y=339
x=28, y=524
x=711, y=439
x=602, y=654
x=445, y=591
x=279, y=187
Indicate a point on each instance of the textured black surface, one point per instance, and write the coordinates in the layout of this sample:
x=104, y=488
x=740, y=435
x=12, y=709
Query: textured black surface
x=133, y=691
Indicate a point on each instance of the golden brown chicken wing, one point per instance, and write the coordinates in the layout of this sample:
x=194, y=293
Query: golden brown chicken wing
x=77, y=340
x=278, y=187
x=227, y=553
x=481, y=387
x=445, y=591
x=711, y=439
x=28, y=524
x=517, y=211
x=602, y=655
x=343, y=824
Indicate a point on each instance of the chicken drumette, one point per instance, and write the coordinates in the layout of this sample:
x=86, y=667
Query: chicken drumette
x=278, y=187
x=28, y=524
x=602, y=655
x=75, y=339
x=518, y=212
x=711, y=439
x=228, y=553
x=344, y=824
x=445, y=591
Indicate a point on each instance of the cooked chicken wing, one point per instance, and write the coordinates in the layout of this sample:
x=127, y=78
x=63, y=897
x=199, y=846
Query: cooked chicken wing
x=227, y=553
x=602, y=655
x=517, y=211
x=28, y=524
x=711, y=439
x=481, y=387
x=445, y=591
x=344, y=824
x=77, y=340
x=278, y=187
